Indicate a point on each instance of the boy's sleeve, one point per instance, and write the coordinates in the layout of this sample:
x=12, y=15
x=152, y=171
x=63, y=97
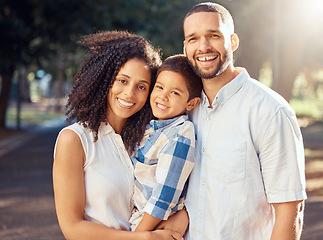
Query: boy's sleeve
x=175, y=163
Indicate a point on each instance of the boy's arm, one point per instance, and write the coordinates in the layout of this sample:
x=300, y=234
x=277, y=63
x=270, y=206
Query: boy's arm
x=173, y=169
x=147, y=223
x=175, y=163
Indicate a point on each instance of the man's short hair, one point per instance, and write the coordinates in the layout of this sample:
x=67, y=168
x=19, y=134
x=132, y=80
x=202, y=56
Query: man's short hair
x=216, y=8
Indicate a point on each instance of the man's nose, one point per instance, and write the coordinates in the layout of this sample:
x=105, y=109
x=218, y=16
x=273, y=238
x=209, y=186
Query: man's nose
x=204, y=45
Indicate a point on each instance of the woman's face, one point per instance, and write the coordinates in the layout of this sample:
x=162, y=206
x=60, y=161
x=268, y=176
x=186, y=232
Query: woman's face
x=129, y=91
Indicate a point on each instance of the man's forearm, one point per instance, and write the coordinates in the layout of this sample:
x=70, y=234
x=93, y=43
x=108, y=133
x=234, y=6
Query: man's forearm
x=288, y=220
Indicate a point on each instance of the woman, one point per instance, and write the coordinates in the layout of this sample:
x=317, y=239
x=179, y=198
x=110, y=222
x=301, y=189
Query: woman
x=92, y=172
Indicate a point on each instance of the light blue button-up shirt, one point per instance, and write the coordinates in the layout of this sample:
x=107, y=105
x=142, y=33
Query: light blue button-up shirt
x=251, y=155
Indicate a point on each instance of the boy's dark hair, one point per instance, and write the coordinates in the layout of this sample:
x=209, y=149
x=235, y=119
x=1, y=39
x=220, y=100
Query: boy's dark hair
x=180, y=64
x=108, y=52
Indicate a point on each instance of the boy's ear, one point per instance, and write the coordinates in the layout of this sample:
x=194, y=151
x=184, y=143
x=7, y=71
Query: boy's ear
x=192, y=103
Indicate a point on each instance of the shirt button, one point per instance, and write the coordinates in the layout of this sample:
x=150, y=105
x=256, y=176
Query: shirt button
x=201, y=216
x=202, y=183
x=203, y=149
x=207, y=118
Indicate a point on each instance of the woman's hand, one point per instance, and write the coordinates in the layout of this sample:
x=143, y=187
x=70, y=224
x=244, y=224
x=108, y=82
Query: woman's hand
x=165, y=235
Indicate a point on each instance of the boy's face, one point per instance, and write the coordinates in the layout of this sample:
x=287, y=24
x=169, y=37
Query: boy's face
x=170, y=95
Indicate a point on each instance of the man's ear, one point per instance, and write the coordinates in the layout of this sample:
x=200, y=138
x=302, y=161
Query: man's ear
x=192, y=103
x=234, y=42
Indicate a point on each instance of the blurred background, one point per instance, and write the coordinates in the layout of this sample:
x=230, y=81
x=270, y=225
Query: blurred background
x=280, y=45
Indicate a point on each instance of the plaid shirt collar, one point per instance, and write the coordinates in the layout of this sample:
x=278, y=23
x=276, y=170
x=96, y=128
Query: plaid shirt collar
x=158, y=125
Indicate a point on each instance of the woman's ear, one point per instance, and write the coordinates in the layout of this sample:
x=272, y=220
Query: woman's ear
x=192, y=103
x=234, y=42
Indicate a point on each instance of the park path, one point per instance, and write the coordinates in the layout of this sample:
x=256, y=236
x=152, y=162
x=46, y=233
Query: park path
x=26, y=195
x=27, y=209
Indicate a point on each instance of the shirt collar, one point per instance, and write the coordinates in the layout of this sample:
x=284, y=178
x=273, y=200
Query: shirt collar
x=162, y=124
x=105, y=129
x=228, y=90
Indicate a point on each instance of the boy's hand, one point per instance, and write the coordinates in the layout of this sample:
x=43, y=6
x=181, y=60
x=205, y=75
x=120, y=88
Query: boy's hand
x=177, y=222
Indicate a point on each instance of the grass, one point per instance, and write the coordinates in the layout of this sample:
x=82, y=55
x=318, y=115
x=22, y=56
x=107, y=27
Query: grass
x=34, y=113
x=31, y=116
x=312, y=108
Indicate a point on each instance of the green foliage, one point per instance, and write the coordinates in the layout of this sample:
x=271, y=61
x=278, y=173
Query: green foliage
x=311, y=108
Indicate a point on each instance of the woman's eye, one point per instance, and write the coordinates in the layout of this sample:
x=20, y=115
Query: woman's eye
x=142, y=87
x=122, y=80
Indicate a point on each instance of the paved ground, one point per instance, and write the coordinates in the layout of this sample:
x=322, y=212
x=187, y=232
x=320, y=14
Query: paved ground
x=26, y=196
x=27, y=209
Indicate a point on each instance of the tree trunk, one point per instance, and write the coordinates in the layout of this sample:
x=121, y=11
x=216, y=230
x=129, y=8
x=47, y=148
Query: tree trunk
x=4, y=96
x=289, y=48
x=59, y=91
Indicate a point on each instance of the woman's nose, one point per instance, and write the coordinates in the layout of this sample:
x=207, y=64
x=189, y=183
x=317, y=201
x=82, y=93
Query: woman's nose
x=129, y=90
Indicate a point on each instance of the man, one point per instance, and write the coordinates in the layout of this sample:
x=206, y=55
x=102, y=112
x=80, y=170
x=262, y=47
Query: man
x=249, y=183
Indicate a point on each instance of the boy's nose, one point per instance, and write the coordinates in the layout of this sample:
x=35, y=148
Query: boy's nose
x=163, y=96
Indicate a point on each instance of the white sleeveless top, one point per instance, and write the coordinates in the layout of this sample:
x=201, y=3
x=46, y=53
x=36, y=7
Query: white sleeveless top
x=108, y=175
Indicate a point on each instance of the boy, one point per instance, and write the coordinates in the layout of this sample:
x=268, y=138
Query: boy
x=166, y=155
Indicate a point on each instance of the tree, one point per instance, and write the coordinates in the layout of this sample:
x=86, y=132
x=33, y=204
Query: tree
x=15, y=39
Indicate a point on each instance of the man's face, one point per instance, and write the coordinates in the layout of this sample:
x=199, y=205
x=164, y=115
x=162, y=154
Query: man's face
x=207, y=44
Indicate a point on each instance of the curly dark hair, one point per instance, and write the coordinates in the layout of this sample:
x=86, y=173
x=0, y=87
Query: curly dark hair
x=108, y=52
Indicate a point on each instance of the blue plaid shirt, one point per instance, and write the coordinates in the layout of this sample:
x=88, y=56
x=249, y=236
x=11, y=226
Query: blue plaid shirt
x=162, y=165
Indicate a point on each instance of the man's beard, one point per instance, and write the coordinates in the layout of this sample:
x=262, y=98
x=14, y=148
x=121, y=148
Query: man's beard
x=209, y=74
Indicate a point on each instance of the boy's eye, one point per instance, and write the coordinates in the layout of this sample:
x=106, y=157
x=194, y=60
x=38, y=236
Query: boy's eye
x=175, y=93
x=159, y=87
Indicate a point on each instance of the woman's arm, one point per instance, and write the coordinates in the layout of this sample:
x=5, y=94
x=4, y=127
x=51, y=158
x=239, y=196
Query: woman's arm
x=69, y=191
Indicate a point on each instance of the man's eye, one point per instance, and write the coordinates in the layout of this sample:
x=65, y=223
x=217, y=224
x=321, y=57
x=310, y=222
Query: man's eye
x=191, y=39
